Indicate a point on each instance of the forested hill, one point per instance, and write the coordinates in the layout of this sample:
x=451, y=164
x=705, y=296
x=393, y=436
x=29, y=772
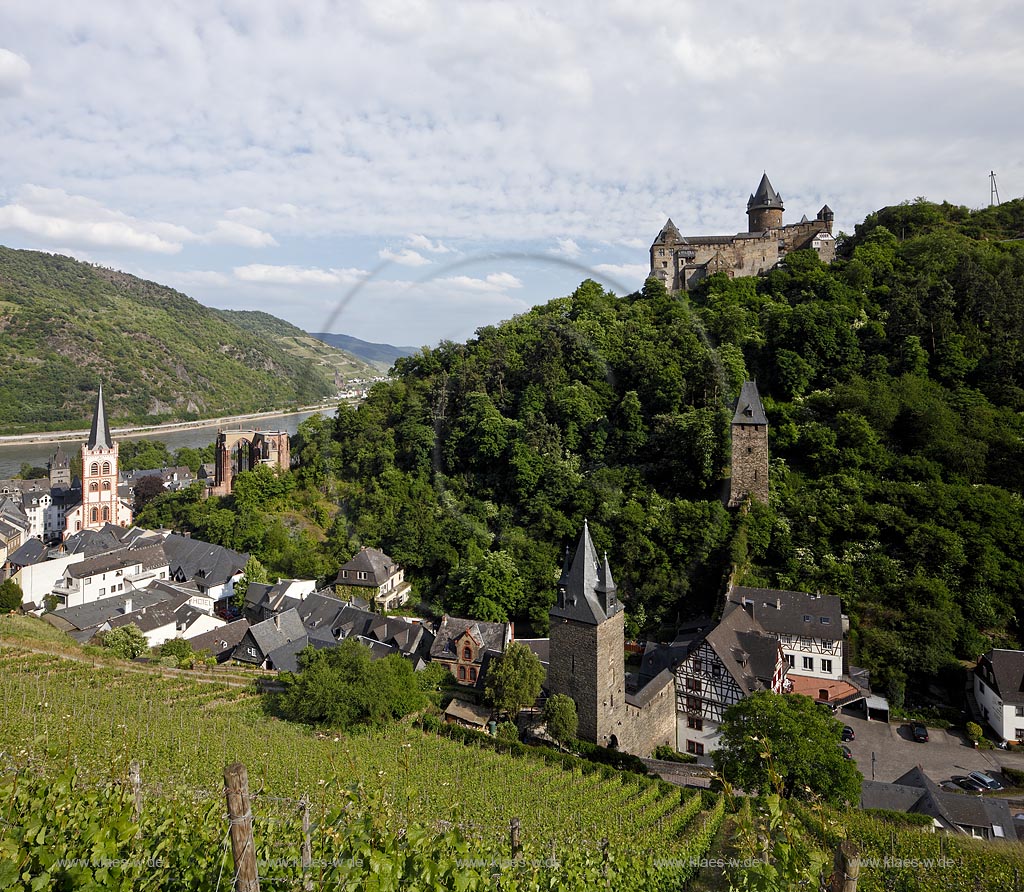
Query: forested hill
x=893, y=381
x=161, y=355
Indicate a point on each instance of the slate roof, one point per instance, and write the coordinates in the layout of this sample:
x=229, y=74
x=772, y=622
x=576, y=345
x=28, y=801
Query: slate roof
x=95, y=613
x=750, y=655
x=149, y=558
x=586, y=590
x=1003, y=670
x=31, y=552
x=915, y=792
x=488, y=636
x=669, y=234
x=783, y=612
x=646, y=694
x=148, y=618
x=99, y=434
x=194, y=559
x=273, y=633
x=221, y=642
x=377, y=566
x=765, y=196
x=749, y=409
x=93, y=542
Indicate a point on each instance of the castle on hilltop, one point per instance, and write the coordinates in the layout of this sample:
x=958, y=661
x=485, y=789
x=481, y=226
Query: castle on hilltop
x=680, y=262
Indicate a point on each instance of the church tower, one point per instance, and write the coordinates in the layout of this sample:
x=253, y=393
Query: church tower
x=59, y=469
x=586, y=657
x=764, y=209
x=749, y=448
x=99, y=473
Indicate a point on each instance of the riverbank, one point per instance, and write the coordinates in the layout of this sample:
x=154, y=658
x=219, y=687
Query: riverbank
x=151, y=430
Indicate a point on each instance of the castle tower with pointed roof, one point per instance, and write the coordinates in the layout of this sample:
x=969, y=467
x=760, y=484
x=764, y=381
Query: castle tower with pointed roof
x=749, y=448
x=764, y=209
x=587, y=660
x=59, y=469
x=100, y=503
x=682, y=261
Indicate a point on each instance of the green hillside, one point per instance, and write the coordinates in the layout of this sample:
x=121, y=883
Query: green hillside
x=161, y=355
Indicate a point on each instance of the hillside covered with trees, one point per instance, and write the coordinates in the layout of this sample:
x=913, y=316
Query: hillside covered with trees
x=893, y=381
x=162, y=356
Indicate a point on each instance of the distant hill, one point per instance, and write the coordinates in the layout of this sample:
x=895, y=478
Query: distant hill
x=161, y=355
x=343, y=362
x=382, y=356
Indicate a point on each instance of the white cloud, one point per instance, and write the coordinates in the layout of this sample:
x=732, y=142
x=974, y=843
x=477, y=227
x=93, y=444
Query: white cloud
x=630, y=275
x=567, y=247
x=55, y=216
x=422, y=243
x=495, y=282
x=405, y=257
x=14, y=73
x=231, y=232
x=296, y=275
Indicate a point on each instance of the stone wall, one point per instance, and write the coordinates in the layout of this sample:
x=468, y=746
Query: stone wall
x=572, y=660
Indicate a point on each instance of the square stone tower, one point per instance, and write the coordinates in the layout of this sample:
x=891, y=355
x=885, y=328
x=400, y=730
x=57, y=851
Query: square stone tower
x=586, y=657
x=749, y=448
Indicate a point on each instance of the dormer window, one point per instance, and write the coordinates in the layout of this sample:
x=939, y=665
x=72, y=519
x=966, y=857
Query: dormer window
x=808, y=618
x=825, y=621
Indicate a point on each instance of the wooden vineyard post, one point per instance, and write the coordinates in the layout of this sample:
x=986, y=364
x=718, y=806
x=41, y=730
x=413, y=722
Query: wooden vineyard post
x=847, y=868
x=135, y=776
x=307, y=847
x=514, y=837
x=243, y=847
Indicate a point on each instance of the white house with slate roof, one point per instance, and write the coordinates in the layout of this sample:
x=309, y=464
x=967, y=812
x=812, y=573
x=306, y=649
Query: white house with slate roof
x=809, y=627
x=999, y=692
x=382, y=579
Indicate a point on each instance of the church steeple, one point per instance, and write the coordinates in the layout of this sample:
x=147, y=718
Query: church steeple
x=99, y=435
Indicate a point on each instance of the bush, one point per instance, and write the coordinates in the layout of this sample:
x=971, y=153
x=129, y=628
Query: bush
x=670, y=754
x=974, y=732
x=1014, y=775
x=507, y=732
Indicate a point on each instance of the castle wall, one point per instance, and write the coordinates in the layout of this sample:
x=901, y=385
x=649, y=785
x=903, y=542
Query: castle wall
x=749, y=463
x=572, y=656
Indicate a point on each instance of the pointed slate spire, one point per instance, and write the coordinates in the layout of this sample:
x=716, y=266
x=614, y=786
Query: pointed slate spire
x=99, y=435
x=765, y=196
x=589, y=590
x=749, y=409
x=669, y=233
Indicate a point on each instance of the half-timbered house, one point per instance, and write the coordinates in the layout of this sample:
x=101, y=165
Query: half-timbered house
x=733, y=660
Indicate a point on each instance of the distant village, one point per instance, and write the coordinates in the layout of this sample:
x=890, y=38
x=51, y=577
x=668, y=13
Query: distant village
x=81, y=565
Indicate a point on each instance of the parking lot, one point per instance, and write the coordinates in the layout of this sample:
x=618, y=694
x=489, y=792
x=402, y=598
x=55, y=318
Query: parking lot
x=896, y=752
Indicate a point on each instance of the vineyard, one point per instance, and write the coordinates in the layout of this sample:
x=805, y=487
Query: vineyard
x=409, y=801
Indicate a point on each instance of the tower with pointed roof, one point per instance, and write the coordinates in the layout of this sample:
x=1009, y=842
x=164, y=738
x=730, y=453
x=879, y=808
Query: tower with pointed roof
x=586, y=658
x=59, y=469
x=749, y=448
x=764, y=208
x=100, y=503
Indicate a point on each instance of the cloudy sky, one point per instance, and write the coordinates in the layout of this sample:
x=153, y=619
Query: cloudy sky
x=406, y=171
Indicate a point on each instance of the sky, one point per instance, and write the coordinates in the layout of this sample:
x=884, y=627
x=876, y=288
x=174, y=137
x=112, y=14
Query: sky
x=406, y=171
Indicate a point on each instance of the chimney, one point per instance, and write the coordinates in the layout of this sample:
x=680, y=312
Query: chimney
x=127, y=605
x=778, y=603
x=277, y=621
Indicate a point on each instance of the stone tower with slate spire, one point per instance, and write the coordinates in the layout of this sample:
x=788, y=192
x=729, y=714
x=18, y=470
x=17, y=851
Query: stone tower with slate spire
x=586, y=660
x=764, y=208
x=749, y=448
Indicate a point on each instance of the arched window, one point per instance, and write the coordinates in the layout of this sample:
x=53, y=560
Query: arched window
x=95, y=515
x=462, y=673
x=106, y=485
x=94, y=469
x=467, y=653
x=472, y=674
x=94, y=486
x=106, y=467
x=106, y=513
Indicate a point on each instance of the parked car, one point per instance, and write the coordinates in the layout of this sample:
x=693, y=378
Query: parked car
x=848, y=733
x=919, y=732
x=847, y=753
x=967, y=783
x=989, y=783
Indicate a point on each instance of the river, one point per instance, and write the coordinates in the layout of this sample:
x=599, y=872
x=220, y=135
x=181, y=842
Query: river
x=12, y=455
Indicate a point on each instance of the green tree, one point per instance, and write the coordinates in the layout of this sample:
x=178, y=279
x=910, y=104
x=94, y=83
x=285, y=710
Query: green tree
x=803, y=740
x=253, y=571
x=146, y=489
x=11, y=595
x=560, y=718
x=514, y=679
x=32, y=472
x=176, y=647
x=126, y=642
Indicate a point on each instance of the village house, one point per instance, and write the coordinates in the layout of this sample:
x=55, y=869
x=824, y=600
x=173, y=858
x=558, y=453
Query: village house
x=265, y=599
x=261, y=642
x=117, y=572
x=466, y=646
x=221, y=642
x=999, y=692
x=375, y=576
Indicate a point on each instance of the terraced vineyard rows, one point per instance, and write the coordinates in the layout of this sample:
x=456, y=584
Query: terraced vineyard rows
x=58, y=713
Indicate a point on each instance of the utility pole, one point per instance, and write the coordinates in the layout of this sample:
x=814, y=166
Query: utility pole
x=993, y=192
